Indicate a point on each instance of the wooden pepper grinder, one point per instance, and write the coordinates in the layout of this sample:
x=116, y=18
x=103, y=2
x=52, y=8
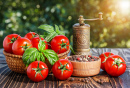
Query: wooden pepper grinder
x=81, y=36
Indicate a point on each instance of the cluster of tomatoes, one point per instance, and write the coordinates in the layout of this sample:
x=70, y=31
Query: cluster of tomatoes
x=38, y=70
x=114, y=65
x=16, y=44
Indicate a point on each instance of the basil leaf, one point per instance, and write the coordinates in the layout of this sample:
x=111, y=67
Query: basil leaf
x=50, y=36
x=47, y=28
x=51, y=56
x=58, y=31
x=71, y=49
x=41, y=45
x=30, y=55
x=42, y=58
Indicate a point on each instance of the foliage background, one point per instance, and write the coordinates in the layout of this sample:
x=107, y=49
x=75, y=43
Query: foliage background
x=23, y=16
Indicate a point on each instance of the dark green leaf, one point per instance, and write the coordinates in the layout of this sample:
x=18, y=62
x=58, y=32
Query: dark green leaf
x=47, y=28
x=58, y=31
x=51, y=56
x=30, y=55
x=50, y=36
x=71, y=49
x=41, y=45
x=42, y=58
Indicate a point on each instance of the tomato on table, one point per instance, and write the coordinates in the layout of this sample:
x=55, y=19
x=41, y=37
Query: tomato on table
x=35, y=42
x=60, y=44
x=31, y=35
x=62, y=69
x=8, y=42
x=37, y=71
x=20, y=45
x=104, y=57
x=115, y=65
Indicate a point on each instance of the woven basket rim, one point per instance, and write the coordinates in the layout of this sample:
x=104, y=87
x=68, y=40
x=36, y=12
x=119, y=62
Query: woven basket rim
x=20, y=56
x=11, y=55
x=65, y=53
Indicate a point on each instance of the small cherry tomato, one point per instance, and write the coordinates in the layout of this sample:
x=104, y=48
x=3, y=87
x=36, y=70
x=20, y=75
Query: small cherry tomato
x=60, y=44
x=115, y=65
x=37, y=71
x=104, y=57
x=31, y=35
x=62, y=69
x=8, y=42
x=20, y=45
x=35, y=42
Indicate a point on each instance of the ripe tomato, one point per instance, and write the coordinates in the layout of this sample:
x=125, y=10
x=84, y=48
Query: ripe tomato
x=104, y=57
x=115, y=65
x=20, y=45
x=62, y=69
x=31, y=35
x=60, y=44
x=8, y=42
x=37, y=71
x=35, y=42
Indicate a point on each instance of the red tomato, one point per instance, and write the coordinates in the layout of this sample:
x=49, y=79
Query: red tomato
x=60, y=44
x=20, y=45
x=37, y=71
x=31, y=35
x=8, y=42
x=35, y=42
x=104, y=57
x=115, y=65
x=62, y=69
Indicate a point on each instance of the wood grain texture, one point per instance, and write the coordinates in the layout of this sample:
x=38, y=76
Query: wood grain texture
x=9, y=79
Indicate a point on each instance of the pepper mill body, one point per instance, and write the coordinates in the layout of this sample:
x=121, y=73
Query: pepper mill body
x=81, y=35
x=81, y=39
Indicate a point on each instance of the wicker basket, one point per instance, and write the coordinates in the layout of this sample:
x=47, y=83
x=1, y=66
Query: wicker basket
x=15, y=62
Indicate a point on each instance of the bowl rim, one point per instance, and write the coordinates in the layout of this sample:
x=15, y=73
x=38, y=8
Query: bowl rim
x=81, y=62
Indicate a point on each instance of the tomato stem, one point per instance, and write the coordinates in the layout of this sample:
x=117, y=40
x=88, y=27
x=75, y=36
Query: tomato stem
x=38, y=70
x=117, y=62
x=63, y=67
x=13, y=39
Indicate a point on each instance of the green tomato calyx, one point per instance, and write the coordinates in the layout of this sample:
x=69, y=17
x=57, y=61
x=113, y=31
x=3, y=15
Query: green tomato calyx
x=38, y=70
x=63, y=67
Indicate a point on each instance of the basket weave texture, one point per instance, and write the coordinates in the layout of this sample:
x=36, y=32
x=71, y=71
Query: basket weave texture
x=15, y=62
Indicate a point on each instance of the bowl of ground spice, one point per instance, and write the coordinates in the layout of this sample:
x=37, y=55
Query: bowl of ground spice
x=85, y=65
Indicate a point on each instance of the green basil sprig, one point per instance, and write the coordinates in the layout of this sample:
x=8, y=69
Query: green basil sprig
x=39, y=54
x=51, y=32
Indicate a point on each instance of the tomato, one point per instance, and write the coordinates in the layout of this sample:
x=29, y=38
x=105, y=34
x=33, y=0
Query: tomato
x=31, y=35
x=104, y=57
x=20, y=45
x=37, y=71
x=62, y=69
x=115, y=65
x=8, y=42
x=35, y=42
x=60, y=44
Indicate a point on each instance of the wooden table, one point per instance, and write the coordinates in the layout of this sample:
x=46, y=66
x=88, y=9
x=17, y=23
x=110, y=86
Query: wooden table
x=9, y=79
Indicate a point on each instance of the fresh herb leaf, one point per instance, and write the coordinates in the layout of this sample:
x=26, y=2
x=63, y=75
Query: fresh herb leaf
x=58, y=31
x=71, y=49
x=42, y=58
x=47, y=28
x=50, y=36
x=29, y=56
x=41, y=45
x=51, y=56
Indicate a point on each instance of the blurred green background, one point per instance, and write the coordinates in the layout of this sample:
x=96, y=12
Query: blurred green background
x=23, y=16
